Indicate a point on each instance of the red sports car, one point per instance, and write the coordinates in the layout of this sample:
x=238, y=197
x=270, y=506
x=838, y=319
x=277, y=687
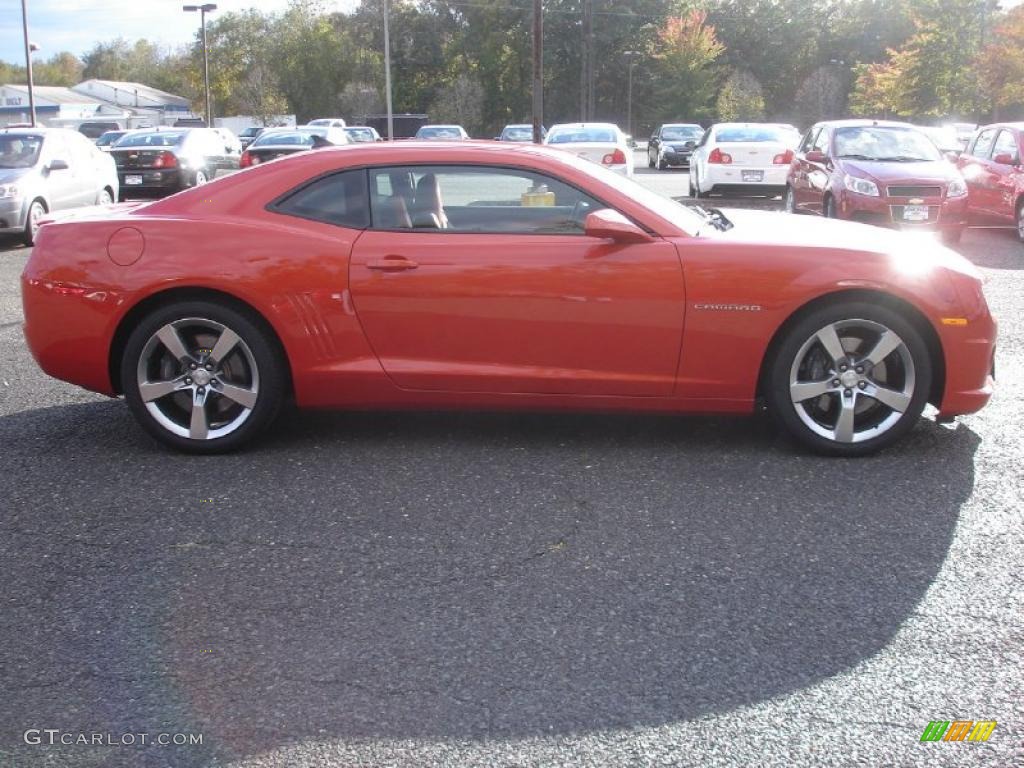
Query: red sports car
x=877, y=172
x=995, y=177
x=487, y=275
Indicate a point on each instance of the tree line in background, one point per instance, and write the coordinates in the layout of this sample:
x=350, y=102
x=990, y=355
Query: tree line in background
x=469, y=61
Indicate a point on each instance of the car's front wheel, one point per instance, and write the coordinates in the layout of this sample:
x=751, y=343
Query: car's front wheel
x=1020, y=221
x=202, y=377
x=849, y=379
x=36, y=211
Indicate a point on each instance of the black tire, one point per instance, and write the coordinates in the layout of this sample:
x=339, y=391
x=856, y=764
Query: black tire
x=104, y=197
x=257, y=348
x=788, y=201
x=202, y=176
x=650, y=161
x=35, y=210
x=662, y=164
x=830, y=208
x=696, y=189
x=1020, y=220
x=894, y=424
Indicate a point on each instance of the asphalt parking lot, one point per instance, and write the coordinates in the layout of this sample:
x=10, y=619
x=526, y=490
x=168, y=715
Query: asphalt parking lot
x=507, y=590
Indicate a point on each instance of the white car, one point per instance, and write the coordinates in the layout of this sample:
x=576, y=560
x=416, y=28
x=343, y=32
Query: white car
x=602, y=143
x=327, y=122
x=442, y=133
x=751, y=158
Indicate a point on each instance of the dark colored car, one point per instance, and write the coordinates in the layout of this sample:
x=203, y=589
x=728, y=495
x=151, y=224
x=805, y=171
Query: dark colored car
x=877, y=172
x=159, y=162
x=279, y=142
x=108, y=139
x=992, y=168
x=672, y=145
x=249, y=135
x=93, y=129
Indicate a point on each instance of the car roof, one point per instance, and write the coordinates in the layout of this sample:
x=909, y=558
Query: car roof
x=585, y=125
x=681, y=125
x=865, y=122
x=442, y=125
x=1019, y=126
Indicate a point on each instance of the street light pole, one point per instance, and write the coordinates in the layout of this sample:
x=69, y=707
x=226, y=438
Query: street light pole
x=387, y=74
x=538, y=71
x=629, y=90
x=29, y=47
x=203, y=10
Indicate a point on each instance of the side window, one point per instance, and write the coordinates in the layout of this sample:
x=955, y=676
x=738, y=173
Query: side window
x=821, y=141
x=82, y=150
x=55, y=148
x=476, y=199
x=336, y=199
x=1006, y=144
x=808, y=143
x=983, y=143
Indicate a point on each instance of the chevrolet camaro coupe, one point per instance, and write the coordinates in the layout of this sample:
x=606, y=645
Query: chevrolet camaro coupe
x=487, y=275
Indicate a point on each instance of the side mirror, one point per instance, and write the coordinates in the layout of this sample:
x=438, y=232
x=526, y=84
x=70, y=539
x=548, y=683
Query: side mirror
x=953, y=155
x=57, y=165
x=690, y=144
x=815, y=156
x=1005, y=159
x=612, y=225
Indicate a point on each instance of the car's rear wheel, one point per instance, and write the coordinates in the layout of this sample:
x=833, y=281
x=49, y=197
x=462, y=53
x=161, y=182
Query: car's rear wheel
x=104, y=197
x=1020, y=221
x=202, y=377
x=788, y=201
x=696, y=186
x=830, y=208
x=36, y=211
x=849, y=379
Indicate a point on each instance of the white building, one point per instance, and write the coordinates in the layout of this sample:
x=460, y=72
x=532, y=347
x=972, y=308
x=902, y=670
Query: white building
x=139, y=103
x=53, y=105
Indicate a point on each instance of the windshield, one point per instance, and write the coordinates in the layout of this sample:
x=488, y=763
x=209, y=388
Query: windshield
x=582, y=136
x=19, y=151
x=884, y=144
x=749, y=133
x=665, y=207
x=109, y=138
x=298, y=138
x=161, y=139
x=439, y=132
x=682, y=132
x=518, y=133
x=359, y=134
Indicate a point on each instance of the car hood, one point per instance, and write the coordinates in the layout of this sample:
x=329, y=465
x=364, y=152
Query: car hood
x=841, y=240
x=931, y=172
x=10, y=175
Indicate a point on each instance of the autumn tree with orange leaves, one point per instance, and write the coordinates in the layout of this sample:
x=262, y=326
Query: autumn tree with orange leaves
x=1001, y=64
x=684, y=53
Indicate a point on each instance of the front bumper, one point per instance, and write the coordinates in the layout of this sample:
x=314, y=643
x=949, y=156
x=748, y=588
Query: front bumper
x=943, y=213
x=13, y=212
x=970, y=353
x=676, y=159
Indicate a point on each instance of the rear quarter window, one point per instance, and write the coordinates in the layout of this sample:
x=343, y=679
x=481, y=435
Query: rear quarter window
x=341, y=199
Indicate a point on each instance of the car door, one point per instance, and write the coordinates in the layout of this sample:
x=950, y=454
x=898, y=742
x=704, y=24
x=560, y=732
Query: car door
x=510, y=296
x=798, y=178
x=975, y=166
x=819, y=172
x=61, y=187
x=1005, y=172
x=84, y=168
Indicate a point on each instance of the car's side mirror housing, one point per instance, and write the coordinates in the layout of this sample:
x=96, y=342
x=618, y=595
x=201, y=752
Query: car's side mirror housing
x=608, y=224
x=815, y=156
x=1005, y=159
x=57, y=165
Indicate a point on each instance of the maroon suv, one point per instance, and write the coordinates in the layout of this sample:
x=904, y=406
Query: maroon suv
x=877, y=172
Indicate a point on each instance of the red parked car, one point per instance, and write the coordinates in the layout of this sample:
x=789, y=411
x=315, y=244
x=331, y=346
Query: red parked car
x=494, y=275
x=879, y=173
x=991, y=165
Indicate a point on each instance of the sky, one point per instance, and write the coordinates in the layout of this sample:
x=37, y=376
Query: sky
x=77, y=25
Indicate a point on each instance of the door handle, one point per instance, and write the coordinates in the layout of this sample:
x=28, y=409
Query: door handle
x=392, y=264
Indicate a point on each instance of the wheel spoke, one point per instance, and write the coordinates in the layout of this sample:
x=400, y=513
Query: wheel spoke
x=806, y=390
x=227, y=341
x=154, y=390
x=888, y=343
x=830, y=341
x=244, y=397
x=843, y=432
x=198, y=427
x=898, y=401
x=169, y=337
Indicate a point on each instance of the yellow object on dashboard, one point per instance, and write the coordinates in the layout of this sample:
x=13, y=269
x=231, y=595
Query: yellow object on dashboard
x=538, y=196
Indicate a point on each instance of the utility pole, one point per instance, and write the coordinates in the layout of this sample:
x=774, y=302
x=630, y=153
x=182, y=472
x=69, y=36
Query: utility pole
x=387, y=74
x=203, y=10
x=29, y=47
x=631, y=55
x=538, y=71
x=587, y=74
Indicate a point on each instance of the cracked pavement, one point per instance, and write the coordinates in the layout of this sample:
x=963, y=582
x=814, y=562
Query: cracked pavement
x=466, y=589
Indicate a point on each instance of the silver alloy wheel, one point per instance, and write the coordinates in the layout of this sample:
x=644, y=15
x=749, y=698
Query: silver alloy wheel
x=852, y=381
x=35, y=213
x=200, y=178
x=104, y=198
x=198, y=379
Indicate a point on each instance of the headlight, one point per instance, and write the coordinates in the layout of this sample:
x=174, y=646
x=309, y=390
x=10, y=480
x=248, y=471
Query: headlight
x=860, y=186
x=9, y=190
x=957, y=188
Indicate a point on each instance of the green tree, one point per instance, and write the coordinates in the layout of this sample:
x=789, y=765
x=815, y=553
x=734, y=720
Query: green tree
x=741, y=98
x=1001, y=63
x=683, y=53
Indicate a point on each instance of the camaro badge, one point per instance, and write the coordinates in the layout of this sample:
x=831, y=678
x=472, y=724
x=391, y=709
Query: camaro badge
x=729, y=307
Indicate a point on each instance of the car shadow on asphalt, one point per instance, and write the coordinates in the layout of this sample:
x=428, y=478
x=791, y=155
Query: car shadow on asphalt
x=446, y=576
